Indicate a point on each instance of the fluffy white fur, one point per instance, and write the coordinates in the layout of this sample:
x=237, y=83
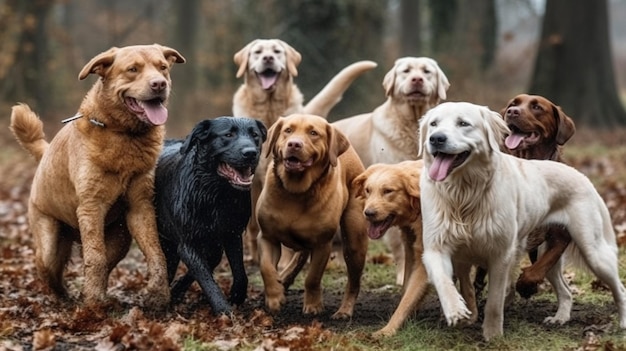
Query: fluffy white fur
x=479, y=205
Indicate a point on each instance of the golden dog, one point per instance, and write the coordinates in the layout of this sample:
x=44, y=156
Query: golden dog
x=268, y=92
x=307, y=197
x=388, y=134
x=392, y=198
x=95, y=179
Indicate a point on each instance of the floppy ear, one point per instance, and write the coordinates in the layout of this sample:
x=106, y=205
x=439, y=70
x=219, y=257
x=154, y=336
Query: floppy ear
x=358, y=182
x=241, y=58
x=390, y=80
x=197, y=133
x=293, y=58
x=99, y=64
x=273, y=134
x=171, y=55
x=565, y=125
x=337, y=144
x=495, y=127
x=262, y=128
x=422, y=132
x=442, y=82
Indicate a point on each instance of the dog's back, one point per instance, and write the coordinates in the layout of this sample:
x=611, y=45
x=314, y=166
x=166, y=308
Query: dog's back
x=28, y=130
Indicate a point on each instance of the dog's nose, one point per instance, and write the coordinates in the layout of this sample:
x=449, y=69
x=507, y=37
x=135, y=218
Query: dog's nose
x=369, y=213
x=249, y=153
x=158, y=84
x=438, y=139
x=268, y=59
x=513, y=112
x=294, y=144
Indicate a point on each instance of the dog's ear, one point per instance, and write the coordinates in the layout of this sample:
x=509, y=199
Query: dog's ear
x=442, y=82
x=423, y=130
x=565, y=125
x=99, y=64
x=241, y=58
x=198, y=133
x=389, y=80
x=272, y=136
x=262, y=128
x=338, y=143
x=358, y=182
x=171, y=55
x=293, y=58
x=495, y=127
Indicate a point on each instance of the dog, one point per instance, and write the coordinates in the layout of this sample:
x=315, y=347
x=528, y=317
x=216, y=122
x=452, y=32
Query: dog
x=203, y=203
x=392, y=198
x=95, y=179
x=268, y=92
x=480, y=204
x=388, y=134
x=539, y=129
x=307, y=197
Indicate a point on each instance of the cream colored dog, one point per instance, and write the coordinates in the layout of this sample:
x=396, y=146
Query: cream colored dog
x=479, y=206
x=389, y=133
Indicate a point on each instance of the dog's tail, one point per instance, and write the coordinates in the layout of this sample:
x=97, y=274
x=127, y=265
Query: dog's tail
x=331, y=94
x=28, y=130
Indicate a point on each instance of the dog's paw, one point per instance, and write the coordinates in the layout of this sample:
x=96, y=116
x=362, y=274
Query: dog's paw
x=314, y=309
x=458, y=314
x=384, y=333
x=273, y=304
x=556, y=319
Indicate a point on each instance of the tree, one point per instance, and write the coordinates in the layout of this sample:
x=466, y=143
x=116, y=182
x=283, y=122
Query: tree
x=573, y=67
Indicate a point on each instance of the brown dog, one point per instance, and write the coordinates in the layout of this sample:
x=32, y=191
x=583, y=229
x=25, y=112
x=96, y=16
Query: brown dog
x=95, y=179
x=268, y=92
x=307, y=197
x=392, y=198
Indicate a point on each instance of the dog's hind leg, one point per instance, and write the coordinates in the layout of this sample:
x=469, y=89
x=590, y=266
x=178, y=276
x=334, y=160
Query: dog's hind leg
x=295, y=265
x=180, y=287
x=118, y=242
x=563, y=294
x=233, y=248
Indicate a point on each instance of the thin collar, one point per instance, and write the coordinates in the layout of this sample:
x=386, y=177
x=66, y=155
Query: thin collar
x=80, y=115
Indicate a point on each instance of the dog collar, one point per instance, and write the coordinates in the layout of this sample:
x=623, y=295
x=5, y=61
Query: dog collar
x=80, y=115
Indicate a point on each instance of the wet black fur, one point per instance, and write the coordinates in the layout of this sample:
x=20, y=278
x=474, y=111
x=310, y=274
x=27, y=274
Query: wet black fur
x=200, y=215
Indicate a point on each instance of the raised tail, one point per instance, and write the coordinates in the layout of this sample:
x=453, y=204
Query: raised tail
x=28, y=130
x=331, y=94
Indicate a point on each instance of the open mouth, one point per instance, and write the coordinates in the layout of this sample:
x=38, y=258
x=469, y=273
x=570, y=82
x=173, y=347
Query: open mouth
x=378, y=228
x=239, y=178
x=294, y=165
x=150, y=111
x=519, y=138
x=443, y=164
x=414, y=95
x=268, y=78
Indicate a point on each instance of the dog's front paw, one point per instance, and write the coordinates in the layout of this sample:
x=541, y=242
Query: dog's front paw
x=158, y=299
x=273, y=304
x=313, y=308
x=456, y=311
x=239, y=292
x=384, y=333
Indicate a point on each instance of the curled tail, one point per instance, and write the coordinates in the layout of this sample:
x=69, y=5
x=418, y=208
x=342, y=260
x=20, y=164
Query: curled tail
x=28, y=130
x=331, y=94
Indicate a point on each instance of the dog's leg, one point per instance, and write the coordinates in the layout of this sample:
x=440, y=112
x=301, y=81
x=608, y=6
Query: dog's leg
x=180, y=287
x=313, y=303
x=295, y=265
x=203, y=274
x=274, y=290
x=463, y=273
x=52, y=251
x=141, y=221
x=394, y=243
x=233, y=248
x=563, y=294
x=499, y=270
x=118, y=242
x=355, y=243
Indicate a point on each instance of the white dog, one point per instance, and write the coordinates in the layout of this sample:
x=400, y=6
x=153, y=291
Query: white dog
x=479, y=205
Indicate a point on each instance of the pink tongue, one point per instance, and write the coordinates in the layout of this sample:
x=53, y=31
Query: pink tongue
x=156, y=113
x=439, y=168
x=375, y=231
x=513, y=141
x=267, y=82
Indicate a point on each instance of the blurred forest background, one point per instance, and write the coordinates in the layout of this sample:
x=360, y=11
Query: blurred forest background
x=490, y=50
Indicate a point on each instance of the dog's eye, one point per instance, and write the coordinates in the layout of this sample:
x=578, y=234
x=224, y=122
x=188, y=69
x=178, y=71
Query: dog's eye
x=132, y=69
x=387, y=191
x=537, y=107
x=367, y=191
x=287, y=130
x=427, y=71
x=433, y=124
x=314, y=133
x=164, y=67
x=229, y=135
x=463, y=124
x=277, y=52
x=406, y=70
x=258, y=52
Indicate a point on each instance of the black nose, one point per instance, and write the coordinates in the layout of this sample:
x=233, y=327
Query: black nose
x=369, y=213
x=438, y=139
x=249, y=153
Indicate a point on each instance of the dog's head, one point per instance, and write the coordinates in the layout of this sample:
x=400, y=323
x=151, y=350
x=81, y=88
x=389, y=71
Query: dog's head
x=138, y=75
x=303, y=147
x=267, y=60
x=535, y=120
x=391, y=193
x=228, y=146
x=417, y=80
x=456, y=134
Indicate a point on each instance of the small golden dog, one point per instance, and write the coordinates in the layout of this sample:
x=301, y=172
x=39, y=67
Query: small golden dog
x=95, y=179
x=307, y=197
x=392, y=198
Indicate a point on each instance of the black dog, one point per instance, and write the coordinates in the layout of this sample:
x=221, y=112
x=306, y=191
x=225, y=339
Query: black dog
x=203, y=204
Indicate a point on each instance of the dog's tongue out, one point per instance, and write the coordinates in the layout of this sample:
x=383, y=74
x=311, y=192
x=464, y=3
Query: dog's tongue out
x=268, y=78
x=154, y=111
x=514, y=140
x=440, y=167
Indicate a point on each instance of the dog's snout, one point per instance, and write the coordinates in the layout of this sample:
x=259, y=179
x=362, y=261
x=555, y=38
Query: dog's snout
x=513, y=112
x=438, y=139
x=417, y=80
x=369, y=213
x=158, y=84
x=294, y=144
x=249, y=153
x=268, y=59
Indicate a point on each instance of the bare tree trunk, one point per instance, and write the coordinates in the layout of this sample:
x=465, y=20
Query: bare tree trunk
x=573, y=67
x=410, y=28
